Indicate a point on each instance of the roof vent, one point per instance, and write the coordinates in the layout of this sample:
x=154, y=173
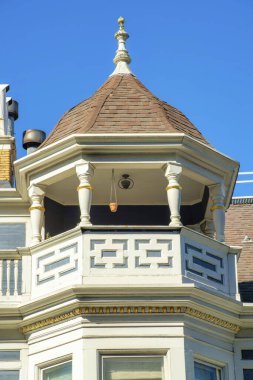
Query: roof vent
x=32, y=139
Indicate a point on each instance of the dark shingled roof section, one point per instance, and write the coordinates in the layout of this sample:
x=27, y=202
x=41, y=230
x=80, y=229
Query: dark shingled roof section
x=239, y=231
x=122, y=105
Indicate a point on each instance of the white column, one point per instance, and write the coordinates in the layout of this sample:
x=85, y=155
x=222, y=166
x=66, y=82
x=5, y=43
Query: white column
x=1, y=277
x=16, y=277
x=84, y=172
x=36, y=195
x=8, y=276
x=217, y=194
x=172, y=173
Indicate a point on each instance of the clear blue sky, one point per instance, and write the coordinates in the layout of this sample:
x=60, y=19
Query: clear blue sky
x=196, y=55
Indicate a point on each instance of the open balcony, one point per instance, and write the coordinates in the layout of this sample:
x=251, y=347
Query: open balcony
x=119, y=256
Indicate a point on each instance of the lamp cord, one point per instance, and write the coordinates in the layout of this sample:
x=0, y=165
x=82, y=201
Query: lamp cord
x=113, y=189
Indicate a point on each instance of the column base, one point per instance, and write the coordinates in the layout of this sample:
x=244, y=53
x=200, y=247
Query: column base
x=220, y=238
x=35, y=241
x=175, y=224
x=85, y=224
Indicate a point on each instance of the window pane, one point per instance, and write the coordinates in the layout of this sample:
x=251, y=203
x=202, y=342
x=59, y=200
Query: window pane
x=59, y=372
x=133, y=368
x=247, y=354
x=205, y=372
x=9, y=355
x=12, y=235
x=247, y=374
x=9, y=375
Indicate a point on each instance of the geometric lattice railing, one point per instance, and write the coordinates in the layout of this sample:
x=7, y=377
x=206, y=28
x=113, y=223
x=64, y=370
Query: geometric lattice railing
x=96, y=257
x=130, y=252
x=204, y=264
x=56, y=264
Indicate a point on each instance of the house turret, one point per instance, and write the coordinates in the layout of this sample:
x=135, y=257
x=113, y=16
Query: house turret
x=113, y=260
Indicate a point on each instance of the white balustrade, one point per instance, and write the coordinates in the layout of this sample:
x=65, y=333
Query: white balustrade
x=123, y=257
x=10, y=278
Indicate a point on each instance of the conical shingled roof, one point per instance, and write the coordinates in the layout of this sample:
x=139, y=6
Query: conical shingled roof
x=122, y=105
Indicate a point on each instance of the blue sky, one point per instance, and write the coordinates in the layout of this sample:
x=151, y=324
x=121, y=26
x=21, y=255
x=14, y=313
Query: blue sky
x=196, y=55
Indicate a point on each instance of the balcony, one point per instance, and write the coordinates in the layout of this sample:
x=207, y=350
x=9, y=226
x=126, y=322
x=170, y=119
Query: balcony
x=119, y=256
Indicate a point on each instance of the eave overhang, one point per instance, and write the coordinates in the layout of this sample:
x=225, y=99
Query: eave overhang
x=222, y=166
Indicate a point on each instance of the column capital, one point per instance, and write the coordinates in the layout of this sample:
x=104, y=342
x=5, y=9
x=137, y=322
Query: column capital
x=172, y=169
x=36, y=190
x=217, y=190
x=85, y=168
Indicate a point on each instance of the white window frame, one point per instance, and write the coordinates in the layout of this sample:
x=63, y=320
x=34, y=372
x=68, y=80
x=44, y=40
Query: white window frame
x=53, y=363
x=131, y=355
x=219, y=369
x=11, y=365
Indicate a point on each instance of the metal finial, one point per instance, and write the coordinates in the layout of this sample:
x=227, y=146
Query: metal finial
x=122, y=58
x=121, y=22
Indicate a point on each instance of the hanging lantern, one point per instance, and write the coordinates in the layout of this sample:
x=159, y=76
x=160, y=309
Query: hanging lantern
x=113, y=204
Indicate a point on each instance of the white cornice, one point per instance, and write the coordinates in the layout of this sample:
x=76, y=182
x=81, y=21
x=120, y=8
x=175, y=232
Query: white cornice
x=94, y=297
x=99, y=144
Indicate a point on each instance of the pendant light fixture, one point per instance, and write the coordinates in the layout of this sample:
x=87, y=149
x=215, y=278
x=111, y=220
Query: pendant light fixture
x=113, y=204
x=125, y=182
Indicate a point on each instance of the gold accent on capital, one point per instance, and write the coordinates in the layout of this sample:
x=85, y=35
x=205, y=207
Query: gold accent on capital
x=41, y=208
x=217, y=208
x=89, y=187
x=173, y=187
x=112, y=310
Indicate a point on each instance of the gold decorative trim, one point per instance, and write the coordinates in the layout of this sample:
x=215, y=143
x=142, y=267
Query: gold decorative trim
x=217, y=208
x=84, y=187
x=41, y=208
x=173, y=187
x=111, y=310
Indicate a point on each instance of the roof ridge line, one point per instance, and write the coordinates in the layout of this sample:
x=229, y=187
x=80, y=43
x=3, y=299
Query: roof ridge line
x=94, y=116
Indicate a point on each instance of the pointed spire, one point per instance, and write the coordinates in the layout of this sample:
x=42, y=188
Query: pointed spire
x=122, y=58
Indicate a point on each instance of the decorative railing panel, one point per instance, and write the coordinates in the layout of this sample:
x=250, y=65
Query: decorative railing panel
x=205, y=264
x=56, y=264
x=129, y=253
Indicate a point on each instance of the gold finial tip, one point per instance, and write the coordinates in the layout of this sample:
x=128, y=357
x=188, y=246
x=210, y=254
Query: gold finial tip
x=121, y=20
